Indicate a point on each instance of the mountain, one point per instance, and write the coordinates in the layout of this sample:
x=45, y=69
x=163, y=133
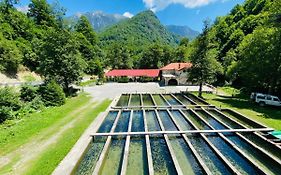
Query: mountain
x=99, y=19
x=142, y=29
x=183, y=31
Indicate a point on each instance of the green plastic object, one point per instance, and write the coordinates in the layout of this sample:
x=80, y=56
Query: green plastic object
x=276, y=134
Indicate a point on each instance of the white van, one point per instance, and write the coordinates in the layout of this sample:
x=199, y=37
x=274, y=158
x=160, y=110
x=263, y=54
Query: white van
x=265, y=99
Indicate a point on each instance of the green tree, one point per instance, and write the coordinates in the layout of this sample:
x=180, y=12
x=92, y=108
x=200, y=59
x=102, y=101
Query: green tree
x=10, y=56
x=204, y=64
x=84, y=26
x=59, y=58
x=184, y=42
x=52, y=94
x=41, y=12
x=119, y=57
x=259, y=64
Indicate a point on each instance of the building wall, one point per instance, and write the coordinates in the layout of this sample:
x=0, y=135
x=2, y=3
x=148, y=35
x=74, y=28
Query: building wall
x=180, y=76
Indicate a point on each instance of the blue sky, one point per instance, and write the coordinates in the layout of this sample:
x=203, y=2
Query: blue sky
x=177, y=12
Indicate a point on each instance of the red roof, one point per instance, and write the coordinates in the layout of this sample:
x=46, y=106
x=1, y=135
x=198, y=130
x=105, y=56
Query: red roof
x=176, y=66
x=133, y=73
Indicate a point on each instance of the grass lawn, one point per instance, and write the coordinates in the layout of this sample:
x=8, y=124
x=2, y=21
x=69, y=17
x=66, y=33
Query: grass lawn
x=66, y=123
x=49, y=160
x=18, y=132
x=270, y=116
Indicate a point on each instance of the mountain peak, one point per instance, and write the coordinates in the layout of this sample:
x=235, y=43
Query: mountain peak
x=142, y=29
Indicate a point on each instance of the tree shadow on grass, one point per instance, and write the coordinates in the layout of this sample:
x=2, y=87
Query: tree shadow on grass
x=266, y=112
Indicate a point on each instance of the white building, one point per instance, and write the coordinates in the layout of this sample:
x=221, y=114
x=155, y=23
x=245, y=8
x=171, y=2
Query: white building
x=175, y=74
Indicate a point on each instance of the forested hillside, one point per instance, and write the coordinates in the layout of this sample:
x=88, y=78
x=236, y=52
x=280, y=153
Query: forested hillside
x=245, y=44
x=142, y=29
x=247, y=41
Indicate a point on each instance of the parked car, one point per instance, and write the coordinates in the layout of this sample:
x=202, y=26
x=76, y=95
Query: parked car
x=265, y=99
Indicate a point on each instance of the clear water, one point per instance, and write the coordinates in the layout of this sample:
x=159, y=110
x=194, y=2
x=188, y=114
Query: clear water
x=240, y=163
x=152, y=122
x=183, y=99
x=226, y=120
x=123, y=101
x=138, y=122
x=159, y=100
x=212, y=161
x=214, y=123
x=195, y=120
x=113, y=161
x=108, y=122
x=184, y=124
x=171, y=99
x=123, y=122
x=161, y=158
x=195, y=99
x=185, y=157
x=89, y=160
x=167, y=121
x=260, y=158
x=135, y=100
x=147, y=100
x=137, y=159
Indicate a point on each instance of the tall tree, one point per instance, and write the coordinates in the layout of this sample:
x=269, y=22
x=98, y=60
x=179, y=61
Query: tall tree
x=204, y=64
x=84, y=26
x=119, y=57
x=60, y=59
x=41, y=12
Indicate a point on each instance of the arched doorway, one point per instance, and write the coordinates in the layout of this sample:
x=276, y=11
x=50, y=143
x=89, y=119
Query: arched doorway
x=172, y=82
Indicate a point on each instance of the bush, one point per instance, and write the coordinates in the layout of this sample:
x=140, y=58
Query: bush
x=5, y=113
x=52, y=94
x=9, y=98
x=123, y=80
x=28, y=93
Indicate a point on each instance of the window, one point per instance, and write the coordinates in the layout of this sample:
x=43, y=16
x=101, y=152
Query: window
x=260, y=97
x=268, y=98
x=275, y=99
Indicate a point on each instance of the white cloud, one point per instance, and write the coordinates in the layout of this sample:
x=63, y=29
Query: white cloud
x=23, y=9
x=158, y=5
x=128, y=15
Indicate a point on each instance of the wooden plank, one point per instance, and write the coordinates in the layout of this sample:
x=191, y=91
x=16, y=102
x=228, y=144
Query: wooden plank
x=106, y=147
x=172, y=153
x=218, y=153
x=129, y=101
x=165, y=100
x=270, y=156
x=239, y=151
x=148, y=148
x=127, y=146
x=194, y=152
x=153, y=101
x=182, y=132
x=141, y=100
x=177, y=99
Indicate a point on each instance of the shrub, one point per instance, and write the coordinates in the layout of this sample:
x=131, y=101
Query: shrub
x=5, y=113
x=123, y=80
x=9, y=98
x=52, y=94
x=28, y=93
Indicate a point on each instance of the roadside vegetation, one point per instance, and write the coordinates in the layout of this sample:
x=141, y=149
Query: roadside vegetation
x=52, y=132
x=228, y=97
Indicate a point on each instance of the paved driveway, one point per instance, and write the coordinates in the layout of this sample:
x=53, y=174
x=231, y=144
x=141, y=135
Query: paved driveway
x=111, y=90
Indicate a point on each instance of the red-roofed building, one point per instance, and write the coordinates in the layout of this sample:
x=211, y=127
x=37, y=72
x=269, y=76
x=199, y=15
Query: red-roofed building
x=133, y=73
x=175, y=74
x=171, y=74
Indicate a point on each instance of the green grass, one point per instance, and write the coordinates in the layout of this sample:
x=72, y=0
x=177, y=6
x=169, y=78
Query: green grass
x=270, y=116
x=18, y=132
x=49, y=160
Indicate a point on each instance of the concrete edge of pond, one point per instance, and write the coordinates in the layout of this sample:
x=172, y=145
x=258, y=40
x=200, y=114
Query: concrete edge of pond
x=70, y=162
